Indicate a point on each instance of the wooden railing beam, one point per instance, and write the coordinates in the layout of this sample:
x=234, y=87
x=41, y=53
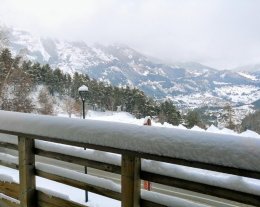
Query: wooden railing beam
x=131, y=174
x=8, y=145
x=28, y=196
x=205, y=189
x=79, y=161
x=130, y=181
x=81, y=185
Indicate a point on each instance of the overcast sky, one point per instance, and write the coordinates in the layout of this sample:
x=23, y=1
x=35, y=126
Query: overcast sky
x=218, y=33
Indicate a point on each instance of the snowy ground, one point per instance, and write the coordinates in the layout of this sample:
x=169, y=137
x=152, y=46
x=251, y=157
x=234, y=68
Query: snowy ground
x=123, y=117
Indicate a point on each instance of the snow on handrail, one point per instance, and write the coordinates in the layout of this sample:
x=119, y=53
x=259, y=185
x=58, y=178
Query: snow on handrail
x=227, y=150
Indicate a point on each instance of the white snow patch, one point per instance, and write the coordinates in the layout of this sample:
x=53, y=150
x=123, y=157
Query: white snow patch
x=239, y=94
x=248, y=76
x=79, y=152
x=53, y=193
x=166, y=200
x=233, y=182
x=213, y=129
x=3, y=196
x=85, y=178
x=6, y=178
x=249, y=133
x=8, y=158
x=11, y=139
x=220, y=83
x=83, y=88
x=196, y=128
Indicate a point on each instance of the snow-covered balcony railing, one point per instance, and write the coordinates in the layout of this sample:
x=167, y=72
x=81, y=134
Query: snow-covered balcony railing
x=223, y=166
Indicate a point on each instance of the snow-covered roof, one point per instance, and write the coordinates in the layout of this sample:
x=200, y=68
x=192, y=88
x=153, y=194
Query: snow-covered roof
x=227, y=150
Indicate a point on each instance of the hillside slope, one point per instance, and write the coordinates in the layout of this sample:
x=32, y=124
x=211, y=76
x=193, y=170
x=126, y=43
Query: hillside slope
x=187, y=84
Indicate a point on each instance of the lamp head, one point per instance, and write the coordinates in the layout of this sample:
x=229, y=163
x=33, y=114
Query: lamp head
x=83, y=92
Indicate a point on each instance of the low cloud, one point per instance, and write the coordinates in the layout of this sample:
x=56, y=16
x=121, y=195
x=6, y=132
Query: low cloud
x=218, y=33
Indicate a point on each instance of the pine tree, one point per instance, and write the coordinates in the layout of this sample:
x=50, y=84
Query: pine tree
x=45, y=74
x=229, y=117
x=33, y=70
x=77, y=81
x=252, y=122
x=192, y=118
x=168, y=113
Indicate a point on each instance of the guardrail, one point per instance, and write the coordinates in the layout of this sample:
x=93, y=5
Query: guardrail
x=133, y=148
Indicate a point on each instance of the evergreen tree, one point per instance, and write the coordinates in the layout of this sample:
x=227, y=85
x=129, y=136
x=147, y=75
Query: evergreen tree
x=169, y=113
x=252, y=122
x=33, y=70
x=59, y=80
x=77, y=81
x=229, y=113
x=192, y=118
x=45, y=74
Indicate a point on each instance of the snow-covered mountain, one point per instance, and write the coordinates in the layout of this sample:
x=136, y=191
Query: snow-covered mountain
x=188, y=84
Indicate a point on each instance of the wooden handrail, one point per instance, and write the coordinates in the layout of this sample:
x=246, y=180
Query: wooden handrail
x=80, y=161
x=202, y=188
x=141, y=141
x=130, y=170
x=197, y=187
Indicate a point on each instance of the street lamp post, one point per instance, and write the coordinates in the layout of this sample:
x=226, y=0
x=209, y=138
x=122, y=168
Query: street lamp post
x=83, y=92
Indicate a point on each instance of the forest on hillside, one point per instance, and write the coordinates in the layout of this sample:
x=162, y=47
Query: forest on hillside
x=30, y=87
x=19, y=79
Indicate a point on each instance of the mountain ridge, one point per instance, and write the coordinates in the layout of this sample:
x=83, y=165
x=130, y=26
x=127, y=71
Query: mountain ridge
x=187, y=84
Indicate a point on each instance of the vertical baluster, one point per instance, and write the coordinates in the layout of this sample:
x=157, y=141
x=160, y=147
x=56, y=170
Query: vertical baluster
x=130, y=181
x=26, y=172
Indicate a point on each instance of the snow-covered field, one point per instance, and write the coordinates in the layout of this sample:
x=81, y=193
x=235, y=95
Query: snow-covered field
x=66, y=192
x=124, y=117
